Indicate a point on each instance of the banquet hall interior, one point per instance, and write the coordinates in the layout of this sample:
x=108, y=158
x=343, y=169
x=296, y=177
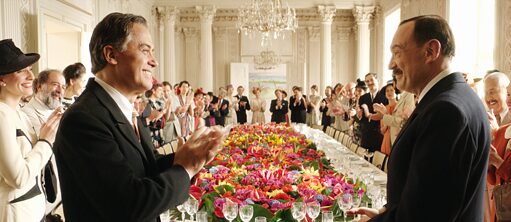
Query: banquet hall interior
x=221, y=45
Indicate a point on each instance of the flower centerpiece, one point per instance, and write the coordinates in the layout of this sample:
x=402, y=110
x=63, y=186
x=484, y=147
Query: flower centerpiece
x=269, y=167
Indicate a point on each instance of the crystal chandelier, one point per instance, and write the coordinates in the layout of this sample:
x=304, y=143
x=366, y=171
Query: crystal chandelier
x=267, y=17
x=266, y=60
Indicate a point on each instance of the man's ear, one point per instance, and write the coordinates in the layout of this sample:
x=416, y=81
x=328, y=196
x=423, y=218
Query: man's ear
x=110, y=54
x=433, y=50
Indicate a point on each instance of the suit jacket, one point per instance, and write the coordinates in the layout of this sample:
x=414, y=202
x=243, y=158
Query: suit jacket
x=278, y=115
x=437, y=167
x=222, y=113
x=106, y=173
x=298, y=112
x=241, y=114
x=370, y=130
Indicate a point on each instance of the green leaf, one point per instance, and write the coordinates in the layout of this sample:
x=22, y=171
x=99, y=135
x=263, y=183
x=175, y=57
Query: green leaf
x=222, y=189
x=261, y=211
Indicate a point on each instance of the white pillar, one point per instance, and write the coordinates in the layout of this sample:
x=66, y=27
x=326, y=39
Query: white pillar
x=158, y=13
x=206, y=14
x=169, y=17
x=363, y=16
x=327, y=14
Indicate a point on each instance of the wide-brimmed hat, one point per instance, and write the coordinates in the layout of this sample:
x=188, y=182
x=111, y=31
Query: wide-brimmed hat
x=13, y=59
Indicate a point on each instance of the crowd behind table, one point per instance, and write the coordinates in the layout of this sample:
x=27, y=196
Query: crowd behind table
x=371, y=116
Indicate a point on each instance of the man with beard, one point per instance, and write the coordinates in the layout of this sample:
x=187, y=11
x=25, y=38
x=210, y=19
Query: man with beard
x=49, y=90
x=48, y=94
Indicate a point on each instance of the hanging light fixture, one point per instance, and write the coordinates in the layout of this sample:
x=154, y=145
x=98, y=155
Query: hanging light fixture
x=267, y=17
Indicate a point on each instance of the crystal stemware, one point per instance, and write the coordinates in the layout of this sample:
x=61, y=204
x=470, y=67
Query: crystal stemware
x=246, y=213
x=313, y=209
x=182, y=208
x=230, y=210
x=345, y=202
x=192, y=206
x=298, y=211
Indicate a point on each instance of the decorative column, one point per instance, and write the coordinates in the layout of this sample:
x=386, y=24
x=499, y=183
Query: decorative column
x=363, y=16
x=169, y=18
x=344, y=73
x=206, y=14
x=157, y=12
x=327, y=14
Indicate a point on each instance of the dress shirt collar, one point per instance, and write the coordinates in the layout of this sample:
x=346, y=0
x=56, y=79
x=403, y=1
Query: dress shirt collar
x=433, y=82
x=122, y=102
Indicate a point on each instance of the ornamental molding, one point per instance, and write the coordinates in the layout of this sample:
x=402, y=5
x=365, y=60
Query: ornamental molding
x=326, y=12
x=206, y=12
x=363, y=14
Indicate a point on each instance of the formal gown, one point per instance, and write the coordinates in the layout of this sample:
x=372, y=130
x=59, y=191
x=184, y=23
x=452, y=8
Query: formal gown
x=258, y=108
x=233, y=105
x=386, y=143
x=313, y=114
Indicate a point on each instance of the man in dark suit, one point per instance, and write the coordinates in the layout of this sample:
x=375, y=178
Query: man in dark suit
x=244, y=105
x=222, y=108
x=108, y=171
x=298, y=106
x=371, y=136
x=437, y=166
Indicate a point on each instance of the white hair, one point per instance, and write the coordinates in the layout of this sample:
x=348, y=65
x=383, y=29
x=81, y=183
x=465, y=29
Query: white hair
x=501, y=78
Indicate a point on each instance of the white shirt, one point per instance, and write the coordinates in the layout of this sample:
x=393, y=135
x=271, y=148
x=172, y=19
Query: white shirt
x=433, y=82
x=122, y=102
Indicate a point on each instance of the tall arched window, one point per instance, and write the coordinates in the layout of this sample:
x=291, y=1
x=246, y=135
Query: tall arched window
x=473, y=26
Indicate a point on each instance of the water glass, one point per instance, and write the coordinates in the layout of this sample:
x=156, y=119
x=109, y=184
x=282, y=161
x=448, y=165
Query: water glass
x=230, y=210
x=260, y=219
x=313, y=209
x=202, y=216
x=246, y=213
x=327, y=216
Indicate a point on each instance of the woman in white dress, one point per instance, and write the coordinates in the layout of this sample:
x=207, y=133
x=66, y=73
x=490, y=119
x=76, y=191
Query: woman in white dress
x=258, y=106
x=312, y=117
x=22, y=154
x=183, y=109
x=233, y=106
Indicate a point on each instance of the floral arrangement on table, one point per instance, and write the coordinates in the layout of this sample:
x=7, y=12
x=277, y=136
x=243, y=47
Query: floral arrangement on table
x=269, y=167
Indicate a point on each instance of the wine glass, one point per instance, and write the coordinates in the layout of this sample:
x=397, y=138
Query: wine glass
x=192, y=206
x=298, y=211
x=182, y=208
x=260, y=219
x=313, y=210
x=327, y=216
x=230, y=210
x=202, y=216
x=357, y=200
x=345, y=202
x=246, y=213
x=165, y=216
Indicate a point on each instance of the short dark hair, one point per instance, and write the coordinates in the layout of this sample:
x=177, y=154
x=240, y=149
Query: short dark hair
x=166, y=83
x=113, y=30
x=73, y=71
x=429, y=27
x=372, y=74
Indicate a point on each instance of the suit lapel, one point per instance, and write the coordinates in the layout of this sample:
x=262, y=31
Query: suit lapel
x=121, y=122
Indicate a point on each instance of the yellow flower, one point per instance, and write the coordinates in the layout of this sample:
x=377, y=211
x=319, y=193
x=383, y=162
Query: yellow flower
x=274, y=193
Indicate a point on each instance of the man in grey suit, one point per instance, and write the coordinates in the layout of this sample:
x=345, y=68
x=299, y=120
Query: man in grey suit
x=108, y=170
x=437, y=166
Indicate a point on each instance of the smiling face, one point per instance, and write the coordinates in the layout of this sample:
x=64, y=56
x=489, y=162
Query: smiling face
x=136, y=64
x=494, y=95
x=408, y=60
x=18, y=84
x=51, y=92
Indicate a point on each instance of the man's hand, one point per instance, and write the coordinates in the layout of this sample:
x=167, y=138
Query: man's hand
x=201, y=148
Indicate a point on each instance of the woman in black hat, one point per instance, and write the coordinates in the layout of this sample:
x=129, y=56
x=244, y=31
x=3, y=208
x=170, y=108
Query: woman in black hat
x=22, y=154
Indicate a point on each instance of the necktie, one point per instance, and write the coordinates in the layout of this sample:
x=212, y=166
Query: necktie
x=135, y=125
